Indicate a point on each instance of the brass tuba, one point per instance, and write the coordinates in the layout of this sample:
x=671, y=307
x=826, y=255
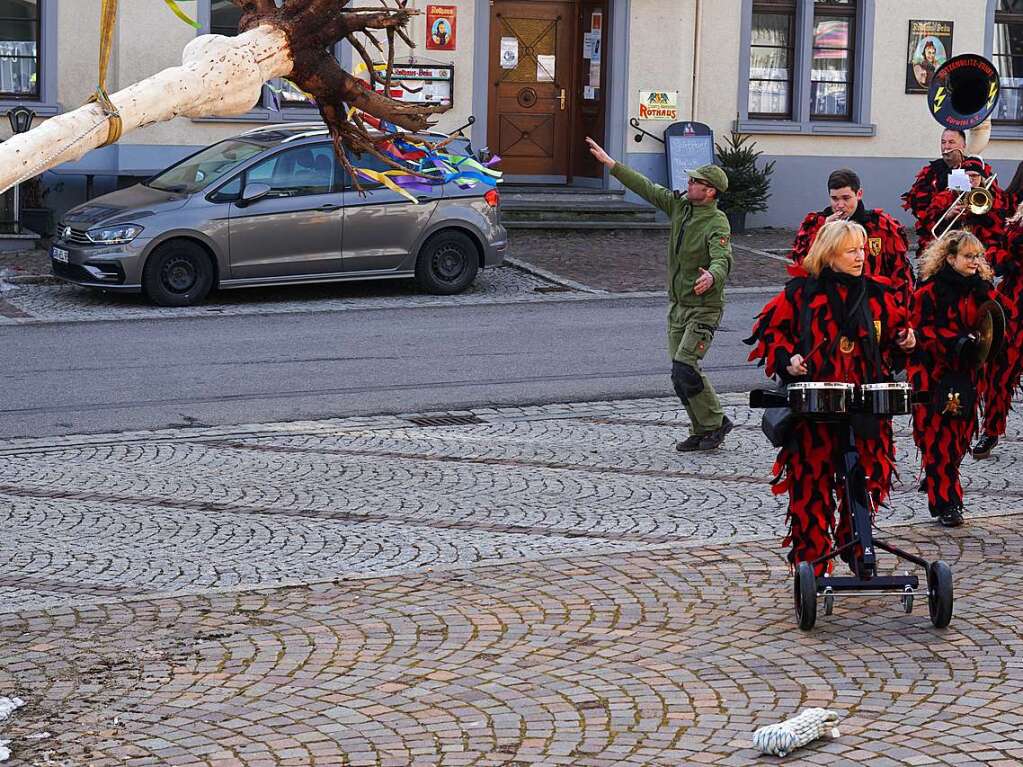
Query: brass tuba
x=964, y=91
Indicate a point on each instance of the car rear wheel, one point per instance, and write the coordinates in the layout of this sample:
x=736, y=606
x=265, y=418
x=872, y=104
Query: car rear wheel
x=447, y=264
x=178, y=273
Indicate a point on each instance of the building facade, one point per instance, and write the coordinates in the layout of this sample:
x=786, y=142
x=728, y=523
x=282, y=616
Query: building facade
x=818, y=84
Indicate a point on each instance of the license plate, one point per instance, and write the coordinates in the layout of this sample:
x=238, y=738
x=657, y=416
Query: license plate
x=59, y=254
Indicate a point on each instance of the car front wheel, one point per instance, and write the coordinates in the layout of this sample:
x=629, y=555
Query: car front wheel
x=447, y=264
x=177, y=274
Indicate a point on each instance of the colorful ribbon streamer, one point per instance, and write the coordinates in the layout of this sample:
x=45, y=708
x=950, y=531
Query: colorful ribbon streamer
x=172, y=4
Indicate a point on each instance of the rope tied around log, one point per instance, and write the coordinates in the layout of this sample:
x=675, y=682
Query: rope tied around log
x=108, y=20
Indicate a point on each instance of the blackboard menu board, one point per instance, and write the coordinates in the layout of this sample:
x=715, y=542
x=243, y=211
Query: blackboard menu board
x=687, y=146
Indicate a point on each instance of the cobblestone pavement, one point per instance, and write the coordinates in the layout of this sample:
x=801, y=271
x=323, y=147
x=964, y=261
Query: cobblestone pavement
x=613, y=262
x=635, y=260
x=539, y=586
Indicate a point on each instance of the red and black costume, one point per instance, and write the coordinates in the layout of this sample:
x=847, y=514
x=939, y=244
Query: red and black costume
x=846, y=329
x=931, y=179
x=886, y=245
x=945, y=311
x=1003, y=371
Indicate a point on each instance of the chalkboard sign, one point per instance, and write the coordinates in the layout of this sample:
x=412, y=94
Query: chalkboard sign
x=687, y=145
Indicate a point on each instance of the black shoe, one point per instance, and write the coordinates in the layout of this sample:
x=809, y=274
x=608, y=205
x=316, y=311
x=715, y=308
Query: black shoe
x=922, y=488
x=984, y=447
x=952, y=516
x=690, y=444
x=713, y=440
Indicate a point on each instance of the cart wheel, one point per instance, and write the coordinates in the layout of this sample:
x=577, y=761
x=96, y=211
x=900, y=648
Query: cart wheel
x=829, y=601
x=804, y=591
x=939, y=593
x=907, y=600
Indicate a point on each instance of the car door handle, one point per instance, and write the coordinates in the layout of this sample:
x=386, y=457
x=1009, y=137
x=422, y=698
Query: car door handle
x=328, y=206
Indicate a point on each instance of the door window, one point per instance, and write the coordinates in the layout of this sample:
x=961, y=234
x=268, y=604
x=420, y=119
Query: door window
x=297, y=172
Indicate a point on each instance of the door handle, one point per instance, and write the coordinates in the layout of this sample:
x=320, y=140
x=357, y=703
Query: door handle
x=562, y=98
x=328, y=206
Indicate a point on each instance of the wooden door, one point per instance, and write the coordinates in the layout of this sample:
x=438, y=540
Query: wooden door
x=532, y=86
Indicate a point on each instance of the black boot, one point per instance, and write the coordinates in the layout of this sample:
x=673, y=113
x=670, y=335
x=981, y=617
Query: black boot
x=713, y=440
x=984, y=447
x=951, y=515
x=690, y=444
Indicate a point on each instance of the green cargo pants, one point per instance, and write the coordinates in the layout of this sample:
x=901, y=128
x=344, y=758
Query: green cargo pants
x=690, y=332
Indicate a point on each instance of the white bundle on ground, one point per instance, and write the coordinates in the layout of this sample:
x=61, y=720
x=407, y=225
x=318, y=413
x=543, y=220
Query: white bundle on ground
x=7, y=707
x=805, y=727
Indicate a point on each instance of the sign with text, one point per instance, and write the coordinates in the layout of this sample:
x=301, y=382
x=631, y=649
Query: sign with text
x=687, y=145
x=415, y=84
x=441, y=22
x=658, y=105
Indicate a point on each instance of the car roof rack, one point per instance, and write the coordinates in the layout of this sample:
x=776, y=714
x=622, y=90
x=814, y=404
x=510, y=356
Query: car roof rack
x=283, y=126
x=306, y=134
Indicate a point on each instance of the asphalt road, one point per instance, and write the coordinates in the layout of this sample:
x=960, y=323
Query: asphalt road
x=73, y=378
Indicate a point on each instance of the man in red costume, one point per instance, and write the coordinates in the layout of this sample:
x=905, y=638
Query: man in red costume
x=886, y=238
x=988, y=227
x=933, y=178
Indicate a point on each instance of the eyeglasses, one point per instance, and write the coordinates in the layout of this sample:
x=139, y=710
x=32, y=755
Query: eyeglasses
x=971, y=256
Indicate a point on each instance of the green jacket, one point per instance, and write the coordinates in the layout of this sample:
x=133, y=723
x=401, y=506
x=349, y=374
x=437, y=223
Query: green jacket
x=706, y=243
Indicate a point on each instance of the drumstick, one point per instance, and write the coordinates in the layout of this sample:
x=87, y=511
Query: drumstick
x=813, y=351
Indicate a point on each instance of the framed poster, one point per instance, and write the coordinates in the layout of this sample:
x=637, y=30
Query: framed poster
x=930, y=46
x=441, y=22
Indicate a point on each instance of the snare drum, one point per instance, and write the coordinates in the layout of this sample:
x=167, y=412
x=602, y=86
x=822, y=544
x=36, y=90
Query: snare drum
x=821, y=397
x=887, y=398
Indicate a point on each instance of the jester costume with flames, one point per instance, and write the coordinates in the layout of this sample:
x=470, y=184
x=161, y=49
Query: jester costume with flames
x=945, y=311
x=886, y=246
x=846, y=328
x=1003, y=371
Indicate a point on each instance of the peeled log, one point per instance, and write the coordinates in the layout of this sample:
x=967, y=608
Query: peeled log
x=218, y=76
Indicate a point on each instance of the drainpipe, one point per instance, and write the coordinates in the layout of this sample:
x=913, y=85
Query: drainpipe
x=696, y=62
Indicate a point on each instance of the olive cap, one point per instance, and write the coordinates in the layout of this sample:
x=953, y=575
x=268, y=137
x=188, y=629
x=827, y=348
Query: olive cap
x=713, y=175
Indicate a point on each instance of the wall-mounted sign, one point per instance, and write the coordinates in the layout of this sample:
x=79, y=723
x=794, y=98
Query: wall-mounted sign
x=509, y=52
x=441, y=23
x=930, y=45
x=658, y=105
x=415, y=84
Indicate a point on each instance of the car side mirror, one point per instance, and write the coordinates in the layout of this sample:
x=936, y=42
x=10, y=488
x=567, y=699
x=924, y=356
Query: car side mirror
x=253, y=192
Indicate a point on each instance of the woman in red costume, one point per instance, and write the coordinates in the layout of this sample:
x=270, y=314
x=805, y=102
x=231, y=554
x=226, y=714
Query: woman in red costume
x=955, y=282
x=831, y=323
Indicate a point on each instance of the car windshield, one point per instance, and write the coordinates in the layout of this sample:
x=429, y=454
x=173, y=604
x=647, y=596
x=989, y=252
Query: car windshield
x=202, y=169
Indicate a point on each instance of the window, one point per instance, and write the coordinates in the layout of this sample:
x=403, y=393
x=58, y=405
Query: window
x=803, y=71
x=20, y=33
x=1007, y=56
x=834, y=25
x=280, y=94
x=771, y=59
x=297, y=172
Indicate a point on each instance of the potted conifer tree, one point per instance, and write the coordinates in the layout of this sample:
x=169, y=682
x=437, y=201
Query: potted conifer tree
x=749, y=186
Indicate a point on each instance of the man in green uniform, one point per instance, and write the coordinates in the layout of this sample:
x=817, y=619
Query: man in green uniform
x=699, y=260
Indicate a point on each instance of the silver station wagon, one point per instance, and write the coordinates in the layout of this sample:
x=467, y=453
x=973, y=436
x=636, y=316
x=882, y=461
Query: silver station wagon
x=273, y=206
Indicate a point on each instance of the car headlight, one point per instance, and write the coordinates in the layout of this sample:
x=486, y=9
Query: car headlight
x=114, y=235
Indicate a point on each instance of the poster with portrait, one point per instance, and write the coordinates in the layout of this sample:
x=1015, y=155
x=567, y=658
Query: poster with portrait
x=930, y=46
x=441, y=21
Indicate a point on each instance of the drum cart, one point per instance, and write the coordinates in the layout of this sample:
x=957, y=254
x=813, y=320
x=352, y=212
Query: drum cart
x=808, y=588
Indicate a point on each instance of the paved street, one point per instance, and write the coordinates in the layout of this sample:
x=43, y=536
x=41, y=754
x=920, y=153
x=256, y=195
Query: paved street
x=537, y=586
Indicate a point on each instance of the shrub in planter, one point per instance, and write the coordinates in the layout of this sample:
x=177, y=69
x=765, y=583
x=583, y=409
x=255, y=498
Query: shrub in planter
x=749, y=187
x=34, y=215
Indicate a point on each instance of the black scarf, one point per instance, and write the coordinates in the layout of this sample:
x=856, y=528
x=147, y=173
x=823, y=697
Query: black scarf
x=852, y=313
x=953, y=285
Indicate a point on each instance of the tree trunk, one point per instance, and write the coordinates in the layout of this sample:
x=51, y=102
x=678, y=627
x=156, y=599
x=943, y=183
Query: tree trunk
x=218, y=76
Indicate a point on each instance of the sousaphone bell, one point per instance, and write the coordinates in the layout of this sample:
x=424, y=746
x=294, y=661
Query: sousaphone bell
x=964, y=91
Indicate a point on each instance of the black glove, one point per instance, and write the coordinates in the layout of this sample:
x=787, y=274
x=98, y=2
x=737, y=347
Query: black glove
x=966, y=348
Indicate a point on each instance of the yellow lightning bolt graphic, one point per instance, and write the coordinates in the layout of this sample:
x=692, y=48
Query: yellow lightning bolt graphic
x=939, y=98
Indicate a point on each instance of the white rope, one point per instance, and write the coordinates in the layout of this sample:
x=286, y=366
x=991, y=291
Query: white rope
x=805, y=727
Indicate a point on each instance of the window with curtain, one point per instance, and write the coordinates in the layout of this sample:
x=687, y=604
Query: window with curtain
x=19, y=48
x=772, y=55
x=1007, y=56
x=831, y=68
x=224, y=18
